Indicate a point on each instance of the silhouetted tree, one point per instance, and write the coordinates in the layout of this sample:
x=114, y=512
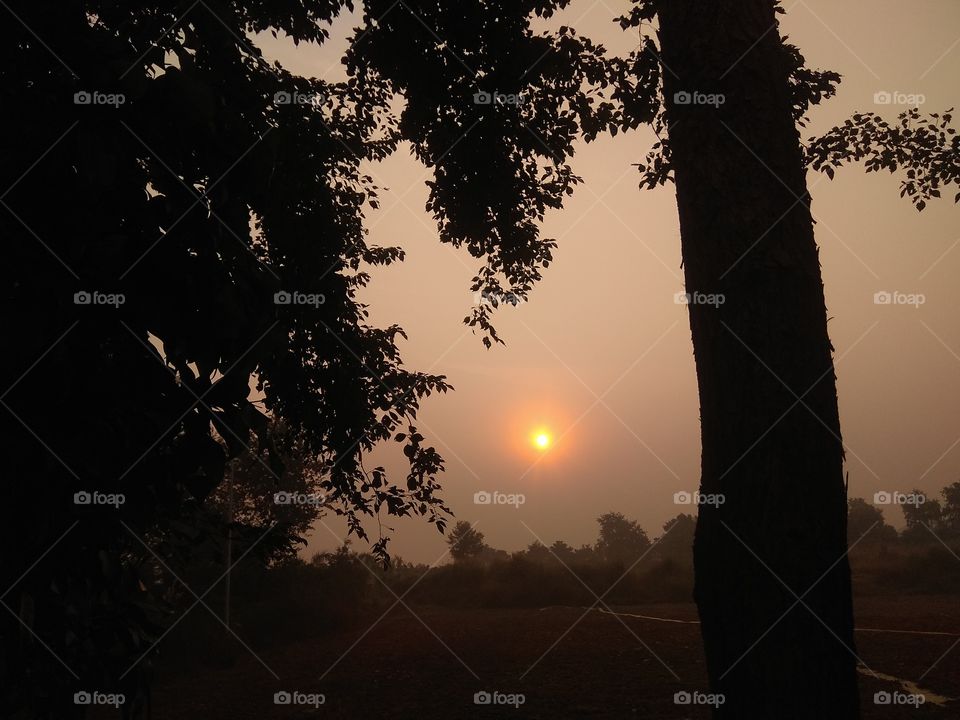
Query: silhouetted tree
x=184, y=218
x=621, y=540
x=676, y=542
x=562, y=551
x=867, y=526
x=768, y=404
x=922, y=519
x=950, y=518
x=465, y=541
x=538, y=552
x=182, y=227
x=769, y=420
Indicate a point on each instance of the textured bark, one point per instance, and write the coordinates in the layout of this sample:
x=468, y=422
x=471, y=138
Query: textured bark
x=778, y=462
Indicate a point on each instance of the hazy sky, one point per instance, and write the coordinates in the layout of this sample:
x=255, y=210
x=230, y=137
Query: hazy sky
x=604, y=324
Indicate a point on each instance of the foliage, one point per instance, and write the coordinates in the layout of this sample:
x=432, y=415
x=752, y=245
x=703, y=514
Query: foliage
x=465, y=541
x=494, y=110
x=621, y=540
x=925, y=148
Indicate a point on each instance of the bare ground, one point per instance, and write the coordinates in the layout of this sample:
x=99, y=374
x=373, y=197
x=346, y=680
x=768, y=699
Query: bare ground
x=568, y=663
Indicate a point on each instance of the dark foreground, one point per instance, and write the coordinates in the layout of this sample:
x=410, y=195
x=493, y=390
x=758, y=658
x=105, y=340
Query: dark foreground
x=431, y=665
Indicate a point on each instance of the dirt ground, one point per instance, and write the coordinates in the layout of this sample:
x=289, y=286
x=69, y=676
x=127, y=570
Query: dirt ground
x=430, y=666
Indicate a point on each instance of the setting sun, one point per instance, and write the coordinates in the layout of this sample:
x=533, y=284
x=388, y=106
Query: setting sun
x=541, y=440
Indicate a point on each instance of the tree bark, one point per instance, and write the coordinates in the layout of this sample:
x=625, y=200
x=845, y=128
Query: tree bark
x=747, y=235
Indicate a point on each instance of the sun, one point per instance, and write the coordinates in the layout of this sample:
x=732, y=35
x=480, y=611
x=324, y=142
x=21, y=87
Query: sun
x=541, y=440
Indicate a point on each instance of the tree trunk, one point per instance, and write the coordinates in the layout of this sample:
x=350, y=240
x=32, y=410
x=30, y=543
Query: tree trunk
x=747, y=235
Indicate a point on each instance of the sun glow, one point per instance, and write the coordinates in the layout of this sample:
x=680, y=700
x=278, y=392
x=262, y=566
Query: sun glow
x=541, y=440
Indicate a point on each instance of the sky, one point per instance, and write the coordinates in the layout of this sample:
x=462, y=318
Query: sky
x=601, y=357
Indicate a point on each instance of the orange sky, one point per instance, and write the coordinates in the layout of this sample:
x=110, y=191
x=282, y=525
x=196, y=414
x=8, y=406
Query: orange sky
x=602, y=355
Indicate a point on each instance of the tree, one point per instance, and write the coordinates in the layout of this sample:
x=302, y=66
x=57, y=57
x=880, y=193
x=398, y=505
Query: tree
x=185, y=250
x=563, y=552
x=209, y=234
x=676, y=542
x=539, y=553
x=465, y=542
x=950, y=519
x=866, y=525
x=621, y=540
x=922, y=518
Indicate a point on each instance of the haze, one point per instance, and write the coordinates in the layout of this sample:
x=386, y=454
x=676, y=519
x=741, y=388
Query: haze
x=601, y=355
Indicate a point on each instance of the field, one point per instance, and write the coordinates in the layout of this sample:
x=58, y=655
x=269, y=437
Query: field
x=430, y=664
